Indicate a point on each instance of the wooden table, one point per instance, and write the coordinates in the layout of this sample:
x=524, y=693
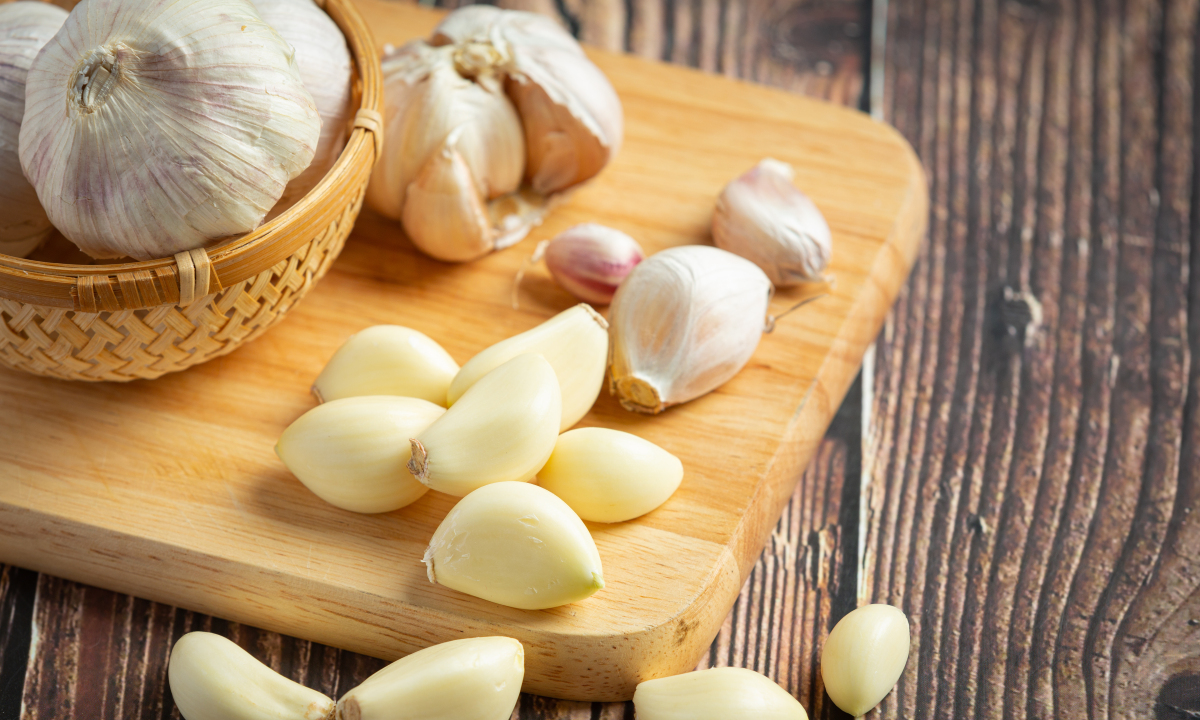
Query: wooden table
x=1029, y=441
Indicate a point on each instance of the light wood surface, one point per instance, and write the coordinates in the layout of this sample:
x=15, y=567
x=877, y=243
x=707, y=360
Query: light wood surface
x=169, y=490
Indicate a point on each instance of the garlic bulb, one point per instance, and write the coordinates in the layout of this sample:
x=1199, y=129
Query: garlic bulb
x=589, y=260
x=495, y=96
x=715, y=694
x=468, y=679
x=387, y=360
x=325, y=68
x=515, y=544
x=142, y=141
x=684, y=322
x=765, y=219
x=24, y=28
x=864, y=656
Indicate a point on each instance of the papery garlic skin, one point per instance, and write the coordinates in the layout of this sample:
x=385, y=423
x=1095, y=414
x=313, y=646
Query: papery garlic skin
x=683, y=323
x=765, y=219
x=24, y=28
x=515, y=544
x=212, y=678
x=468, y=679
x=590, y=261
x=502, y=429
x=574, y=342
x=141, y=141
x=387, y=360
x=864, y=656
x=715, y=694
x=353, y=453
x=610, y=476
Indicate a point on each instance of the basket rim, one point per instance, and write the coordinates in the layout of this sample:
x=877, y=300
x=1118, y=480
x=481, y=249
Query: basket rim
x=54, y=284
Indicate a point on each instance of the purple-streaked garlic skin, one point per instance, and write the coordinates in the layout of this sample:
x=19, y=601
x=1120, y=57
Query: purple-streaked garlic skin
x=591, y=260
x=765, y=219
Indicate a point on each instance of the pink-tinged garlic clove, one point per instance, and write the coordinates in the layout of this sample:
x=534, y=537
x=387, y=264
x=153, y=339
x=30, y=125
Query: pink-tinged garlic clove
x=591, y=260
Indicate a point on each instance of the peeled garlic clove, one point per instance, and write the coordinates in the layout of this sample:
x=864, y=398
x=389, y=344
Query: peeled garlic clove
x=574, y=342
x=387, y=360
x=592, y=260
x=684, y=322
x=213, y=679
x=142, y=141
x=765, y=219
x=24, y=28
x=515, y=544
x=864, y=656
x=503, y=428
x=353, y=453
x=715, y=694
x=469, y=679
x=608, y=475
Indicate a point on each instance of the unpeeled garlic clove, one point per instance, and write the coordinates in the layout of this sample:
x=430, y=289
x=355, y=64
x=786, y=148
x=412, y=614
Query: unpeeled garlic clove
x=515, y=544
x=353, y=453
x=715, y=694
x=765, y=219
x=443, y=214
x=212, y=678
x=574, y=342
x=608, y=475
x=469, y=679
x=864, y=656
x=684, y=322
x=387, y=360
x=592, y=260
x=502, y=428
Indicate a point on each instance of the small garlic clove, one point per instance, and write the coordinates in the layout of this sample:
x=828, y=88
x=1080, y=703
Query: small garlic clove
x=590, y=261
x=684, y=322
x=608, y=475
x=561, y=151
x=387, y=360
x=574, y=342
x=212, y=678
x=469, y=679
x=353, y=453
x=443, y=214
x=765, y=219
x=864, y=656
x=503, y=428
x=515, y=544
x=715, y=694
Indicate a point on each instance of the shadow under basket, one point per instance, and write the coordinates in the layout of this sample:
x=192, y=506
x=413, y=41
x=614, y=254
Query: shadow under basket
x=141, y=320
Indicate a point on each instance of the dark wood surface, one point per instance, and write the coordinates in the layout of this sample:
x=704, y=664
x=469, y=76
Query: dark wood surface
x=1032, y=447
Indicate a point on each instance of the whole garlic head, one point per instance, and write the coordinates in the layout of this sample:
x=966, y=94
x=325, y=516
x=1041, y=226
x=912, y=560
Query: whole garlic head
x=24, y=28
x=157, y=126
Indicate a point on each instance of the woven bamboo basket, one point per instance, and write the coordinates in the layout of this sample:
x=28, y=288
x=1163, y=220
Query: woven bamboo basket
x=145, y=319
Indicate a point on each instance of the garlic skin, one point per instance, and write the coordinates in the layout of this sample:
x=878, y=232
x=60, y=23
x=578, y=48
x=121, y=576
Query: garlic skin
x=212, y=678
x=139, y=139
x=684, y=322
x=24, y=28
x=608, y=475
x=715, y=694
x=502, y=429
x=353, y=453
x=468, y=679
x=590, y=261
x=324, y=62
x=387, y=360
x=864, y=656
x=765, y=219
x=517, y=545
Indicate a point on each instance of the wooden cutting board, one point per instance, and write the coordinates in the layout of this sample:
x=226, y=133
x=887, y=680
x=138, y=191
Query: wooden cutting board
x=169, y=489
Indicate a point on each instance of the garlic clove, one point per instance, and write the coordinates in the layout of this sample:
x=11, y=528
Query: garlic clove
x=212, y=678
x=469, y=679
x=503, y=428
x=715, y=694
x=387, y=360
x=590, y=261
x=353, y=453
x=765, y=219
x=515, y=544
x=684, y=322
x=608, y=475
x=574, y=342
x=443, y=214
x=864, y=656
